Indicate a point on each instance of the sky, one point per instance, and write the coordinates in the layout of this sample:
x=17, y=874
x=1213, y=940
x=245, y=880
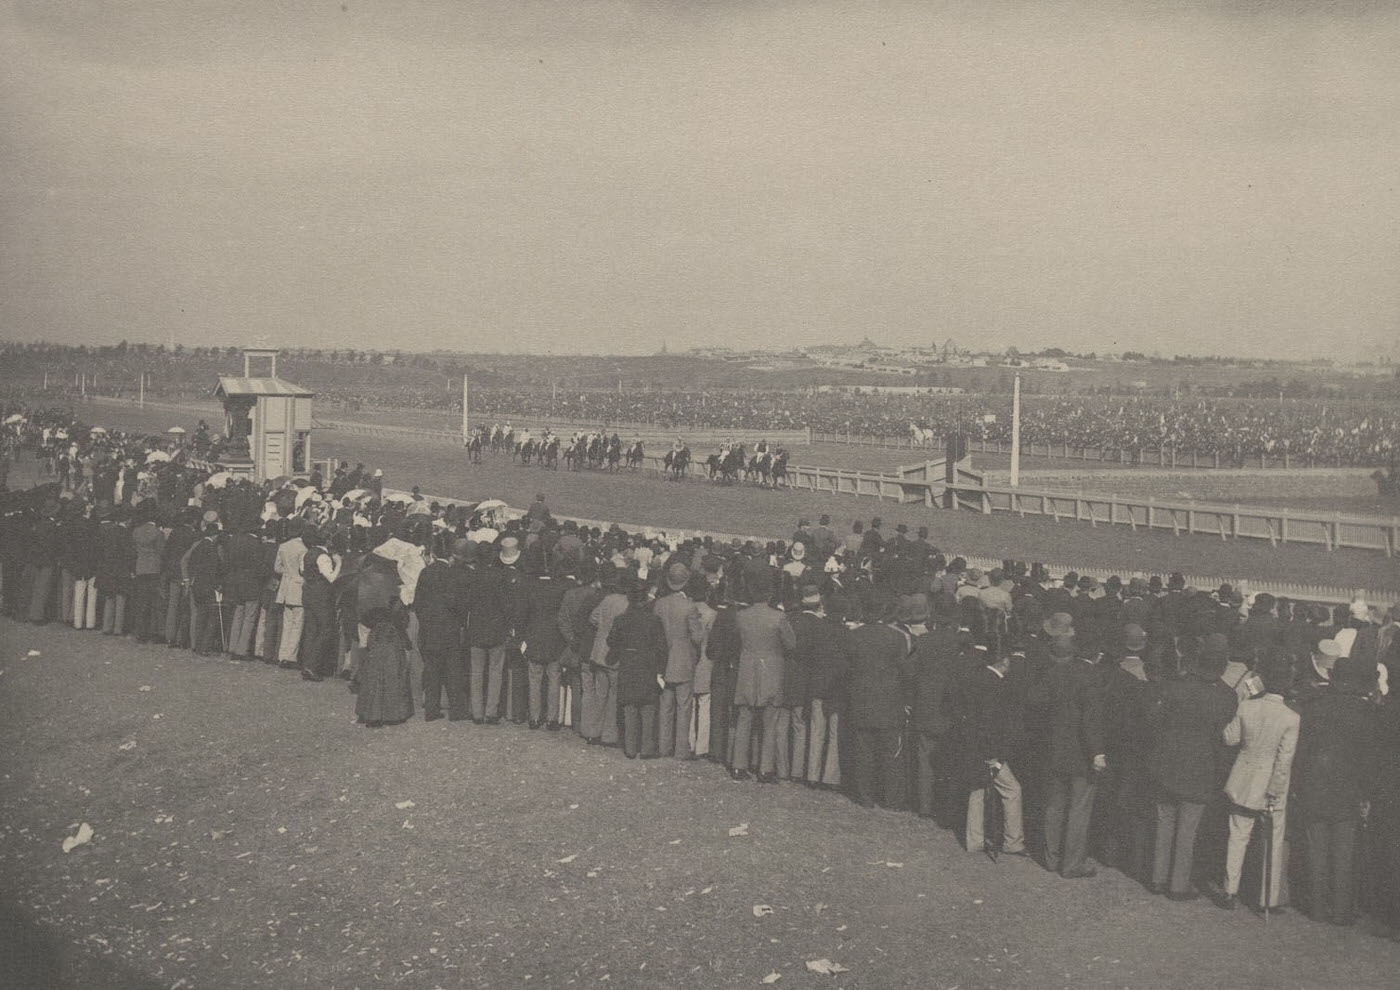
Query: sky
x=1194, y=176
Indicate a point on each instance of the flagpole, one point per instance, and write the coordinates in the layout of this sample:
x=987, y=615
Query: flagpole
x=1016, y=432
x=465, y=433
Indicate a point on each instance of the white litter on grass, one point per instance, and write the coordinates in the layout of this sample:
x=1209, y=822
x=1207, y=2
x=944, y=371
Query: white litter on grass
x=773, y=977
x=762, y=910
x=674, y=842
x=741, y=829
x=33, y=653
x=707, y=889
x=568, y=859
x=886, y=862
x=83, y=837
x=406, y=824
x=405, y=805
x=826, y=967
x=144, y=687
x=129, y=744
x=573, y=807
x=281, y=830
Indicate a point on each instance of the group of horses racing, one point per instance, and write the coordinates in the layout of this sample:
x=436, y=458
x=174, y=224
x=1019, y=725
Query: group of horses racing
x=599, y=450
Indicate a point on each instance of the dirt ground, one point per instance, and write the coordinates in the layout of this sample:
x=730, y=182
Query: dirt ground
x=248, y=834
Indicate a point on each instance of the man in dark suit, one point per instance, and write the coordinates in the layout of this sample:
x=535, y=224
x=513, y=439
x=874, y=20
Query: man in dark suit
x=879, y=663
x=206, y=568
x=1074, y=693
x=934, y=666
x=544, y=642
x=821, y=640
x=490, y=626
x=440, y=600
x=988, y=710
x=1185, y=765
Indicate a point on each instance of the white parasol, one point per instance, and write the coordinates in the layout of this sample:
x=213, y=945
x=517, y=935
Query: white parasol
x=307, y=494
x=14, y=418
x=98, y=429
x=157, y=455
x=218, y=480
x=180, y=430
x=401, y=497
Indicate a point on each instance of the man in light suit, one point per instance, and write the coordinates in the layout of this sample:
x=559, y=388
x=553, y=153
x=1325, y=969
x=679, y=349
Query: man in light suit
x=1266, y=730
x=680, y=617
x=290, y=556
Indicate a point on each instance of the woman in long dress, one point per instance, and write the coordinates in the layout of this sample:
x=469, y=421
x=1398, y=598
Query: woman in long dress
x=385, y=694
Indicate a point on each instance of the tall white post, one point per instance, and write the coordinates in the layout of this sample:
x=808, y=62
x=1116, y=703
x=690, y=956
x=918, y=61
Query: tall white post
x=1016, y=432
x=82, y=384
x=141, y=402
x=465, y=422
x=46, y=381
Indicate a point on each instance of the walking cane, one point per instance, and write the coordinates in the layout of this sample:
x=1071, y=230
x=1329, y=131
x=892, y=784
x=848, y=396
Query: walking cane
x=1267, y=820
x=219, y=607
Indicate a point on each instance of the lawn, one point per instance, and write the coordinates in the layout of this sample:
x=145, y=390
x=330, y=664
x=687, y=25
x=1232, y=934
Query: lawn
x=248, y=834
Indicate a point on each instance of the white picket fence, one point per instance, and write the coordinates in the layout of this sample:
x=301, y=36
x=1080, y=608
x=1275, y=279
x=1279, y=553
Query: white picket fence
x=1313, y=593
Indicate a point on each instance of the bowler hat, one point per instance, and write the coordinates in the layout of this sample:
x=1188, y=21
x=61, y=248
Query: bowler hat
x=677, y=575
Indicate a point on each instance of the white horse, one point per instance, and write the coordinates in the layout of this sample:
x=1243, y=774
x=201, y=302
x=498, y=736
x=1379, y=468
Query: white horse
x=920, y=435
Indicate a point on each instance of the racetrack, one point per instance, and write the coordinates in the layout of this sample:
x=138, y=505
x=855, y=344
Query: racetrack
x=442, y=469
x=249, y=834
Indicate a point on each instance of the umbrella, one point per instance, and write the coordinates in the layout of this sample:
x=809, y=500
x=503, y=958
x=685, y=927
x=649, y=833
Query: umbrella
x=309, y=493
x=176, y=429
x=355, y=494
x=218, y=480
x=98, y=429
x=14, y=418
x=399, y=497
x=489, y=504
x=157, y=455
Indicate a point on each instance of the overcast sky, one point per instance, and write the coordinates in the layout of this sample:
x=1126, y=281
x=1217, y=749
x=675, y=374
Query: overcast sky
x=1216, y=176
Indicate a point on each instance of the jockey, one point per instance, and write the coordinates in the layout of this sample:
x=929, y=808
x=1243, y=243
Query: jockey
x=761, y=447
x=677, y=446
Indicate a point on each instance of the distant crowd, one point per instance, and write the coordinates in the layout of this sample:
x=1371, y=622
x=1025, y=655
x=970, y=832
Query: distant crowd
x=1161, y=730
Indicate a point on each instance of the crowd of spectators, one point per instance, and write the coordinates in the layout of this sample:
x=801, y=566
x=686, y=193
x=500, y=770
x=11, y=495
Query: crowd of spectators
x=1140, y=724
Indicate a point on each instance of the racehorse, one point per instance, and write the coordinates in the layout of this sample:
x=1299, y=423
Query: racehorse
x=474, y=449
x=920, y=434
x=757, y=469
x=549, y=453
x=635, y=456
x=614, y=453
x=525, y=449
x=677, y=461
x=726, y=469
x=777, y=471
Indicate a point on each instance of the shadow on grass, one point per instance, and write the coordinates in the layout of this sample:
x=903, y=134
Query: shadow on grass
x=33, y=958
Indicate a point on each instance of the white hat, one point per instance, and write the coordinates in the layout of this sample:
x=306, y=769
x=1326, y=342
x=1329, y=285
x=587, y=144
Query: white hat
x=1360, y=610
x=798, y=550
